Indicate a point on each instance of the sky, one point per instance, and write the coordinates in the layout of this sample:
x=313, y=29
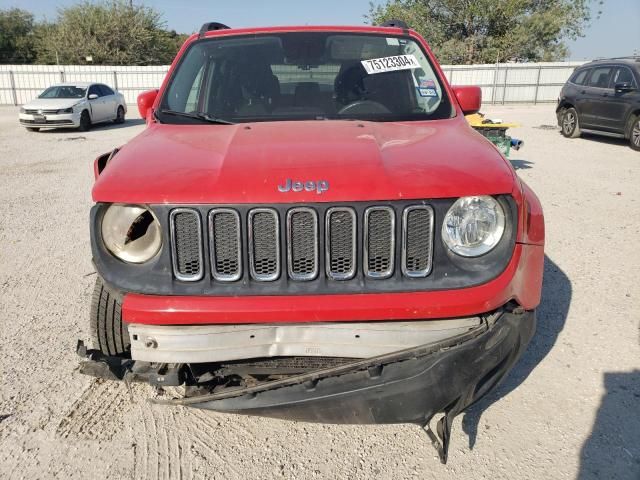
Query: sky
x=615, y=33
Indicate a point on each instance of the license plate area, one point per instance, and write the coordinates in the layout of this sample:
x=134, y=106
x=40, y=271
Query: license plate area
x=40, y=119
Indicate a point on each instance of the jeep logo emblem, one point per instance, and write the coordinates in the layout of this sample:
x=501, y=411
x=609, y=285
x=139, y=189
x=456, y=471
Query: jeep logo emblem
x=320, y=186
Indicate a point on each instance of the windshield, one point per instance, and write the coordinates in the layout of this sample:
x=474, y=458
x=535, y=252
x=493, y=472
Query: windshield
x=63, y=91
x=303, y=76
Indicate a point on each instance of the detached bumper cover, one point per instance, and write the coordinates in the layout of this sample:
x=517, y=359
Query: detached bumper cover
x=410, y=386
x=405, y=387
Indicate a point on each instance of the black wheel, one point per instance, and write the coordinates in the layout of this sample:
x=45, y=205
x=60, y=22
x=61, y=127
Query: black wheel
x=108, y=332
x=119, y=115
x=570, y=123
x=33, y=129
x=634, y=137
x=85, y=121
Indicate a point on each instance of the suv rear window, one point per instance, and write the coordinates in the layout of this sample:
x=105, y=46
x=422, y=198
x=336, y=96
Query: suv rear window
x=579, y=77
x=623, y=75
x=305, y=76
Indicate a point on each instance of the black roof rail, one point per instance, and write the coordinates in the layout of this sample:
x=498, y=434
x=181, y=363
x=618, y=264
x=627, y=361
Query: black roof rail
x=211, y=26
x=395, y=24
x=627, y=57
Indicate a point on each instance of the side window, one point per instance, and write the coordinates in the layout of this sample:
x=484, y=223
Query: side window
x=600, y=77
x=94, y=89
x=623, y=75
x=105, y=90
x=579, y=77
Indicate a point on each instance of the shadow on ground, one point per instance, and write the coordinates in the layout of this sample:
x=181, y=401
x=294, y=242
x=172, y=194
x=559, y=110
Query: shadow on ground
x=521, y=164
x=613, y=448
x=606, y=140
x=551, y=317
x=129, y=122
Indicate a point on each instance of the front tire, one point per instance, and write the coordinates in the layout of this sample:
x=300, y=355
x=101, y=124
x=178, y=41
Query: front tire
x=108, y=332
x=119, y=115
x=85, y=121
x=570, y=123
x=634, y=136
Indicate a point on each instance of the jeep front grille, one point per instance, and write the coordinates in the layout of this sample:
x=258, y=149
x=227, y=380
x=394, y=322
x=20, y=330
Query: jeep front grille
x=302, y=243
x=417, y=240
x=341, y=243
x=264, y=244
x=225, y=245
x=379, y=241
x=322, y=243
x=186, y=236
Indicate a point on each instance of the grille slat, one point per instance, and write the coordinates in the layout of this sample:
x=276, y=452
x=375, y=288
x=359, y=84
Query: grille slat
x=264, y=244
x=342, y=247
x=225, y=244
x=341, y=243
x=302, y=243
x=186, y=233
x=36, y=111
x=417, y=241
x=379, y=242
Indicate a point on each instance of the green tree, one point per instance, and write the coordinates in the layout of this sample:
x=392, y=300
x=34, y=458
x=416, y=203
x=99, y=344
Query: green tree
x=483, y=31
x=114, y=32
x=16, y=36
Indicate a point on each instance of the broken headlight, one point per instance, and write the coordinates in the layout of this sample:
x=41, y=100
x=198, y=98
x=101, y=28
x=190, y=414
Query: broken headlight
x=131, y=233
x=473, y=226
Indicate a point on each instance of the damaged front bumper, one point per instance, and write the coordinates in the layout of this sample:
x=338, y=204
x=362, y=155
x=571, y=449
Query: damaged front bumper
x=409, y=386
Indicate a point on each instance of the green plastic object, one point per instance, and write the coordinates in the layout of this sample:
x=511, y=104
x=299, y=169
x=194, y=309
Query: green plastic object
x=498, y=137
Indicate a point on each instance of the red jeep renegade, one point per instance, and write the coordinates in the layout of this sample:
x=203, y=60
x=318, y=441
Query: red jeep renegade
x=309, y=229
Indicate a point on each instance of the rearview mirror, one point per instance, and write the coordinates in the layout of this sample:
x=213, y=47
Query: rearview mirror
x=469, y=97
x=146, y=101
x=92, y=96
x=624, y=87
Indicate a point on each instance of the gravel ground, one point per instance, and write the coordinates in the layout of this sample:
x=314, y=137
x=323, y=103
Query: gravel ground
x=570, y=409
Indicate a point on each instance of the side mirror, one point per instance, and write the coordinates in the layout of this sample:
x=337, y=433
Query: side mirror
x=624, y=87
x=469, y=97
x=146, y=101
x=92, y=96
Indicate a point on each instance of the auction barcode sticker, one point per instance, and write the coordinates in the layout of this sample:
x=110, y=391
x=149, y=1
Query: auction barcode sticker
x=390, y=64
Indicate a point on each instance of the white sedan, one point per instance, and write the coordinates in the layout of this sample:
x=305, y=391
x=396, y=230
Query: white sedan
x=73, y=105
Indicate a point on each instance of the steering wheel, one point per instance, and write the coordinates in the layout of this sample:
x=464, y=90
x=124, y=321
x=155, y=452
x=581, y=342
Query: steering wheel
x=364, y=106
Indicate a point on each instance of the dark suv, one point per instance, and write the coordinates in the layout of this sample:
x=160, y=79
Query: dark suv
x=602, y=97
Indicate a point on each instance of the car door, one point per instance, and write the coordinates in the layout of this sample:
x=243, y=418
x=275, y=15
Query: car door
x=110, y=102
x=620, y=101
x=597, y=92
x=98, y=108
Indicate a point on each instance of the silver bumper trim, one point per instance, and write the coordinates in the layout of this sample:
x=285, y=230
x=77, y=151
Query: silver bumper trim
x=217, y=343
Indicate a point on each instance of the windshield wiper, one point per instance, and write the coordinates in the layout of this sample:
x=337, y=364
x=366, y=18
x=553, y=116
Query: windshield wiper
x=198, y=116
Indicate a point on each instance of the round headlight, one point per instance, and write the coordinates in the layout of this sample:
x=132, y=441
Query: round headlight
x=473, y=226
x=131, y=233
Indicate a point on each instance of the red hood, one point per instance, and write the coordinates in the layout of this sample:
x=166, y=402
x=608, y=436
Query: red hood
x=245, y=163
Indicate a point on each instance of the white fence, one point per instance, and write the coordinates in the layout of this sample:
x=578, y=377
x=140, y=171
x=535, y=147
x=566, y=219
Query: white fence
x=513, y=82
x=500, y=83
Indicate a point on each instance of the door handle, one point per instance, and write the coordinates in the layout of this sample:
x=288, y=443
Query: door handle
x=583, y=91
x=605, y=94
